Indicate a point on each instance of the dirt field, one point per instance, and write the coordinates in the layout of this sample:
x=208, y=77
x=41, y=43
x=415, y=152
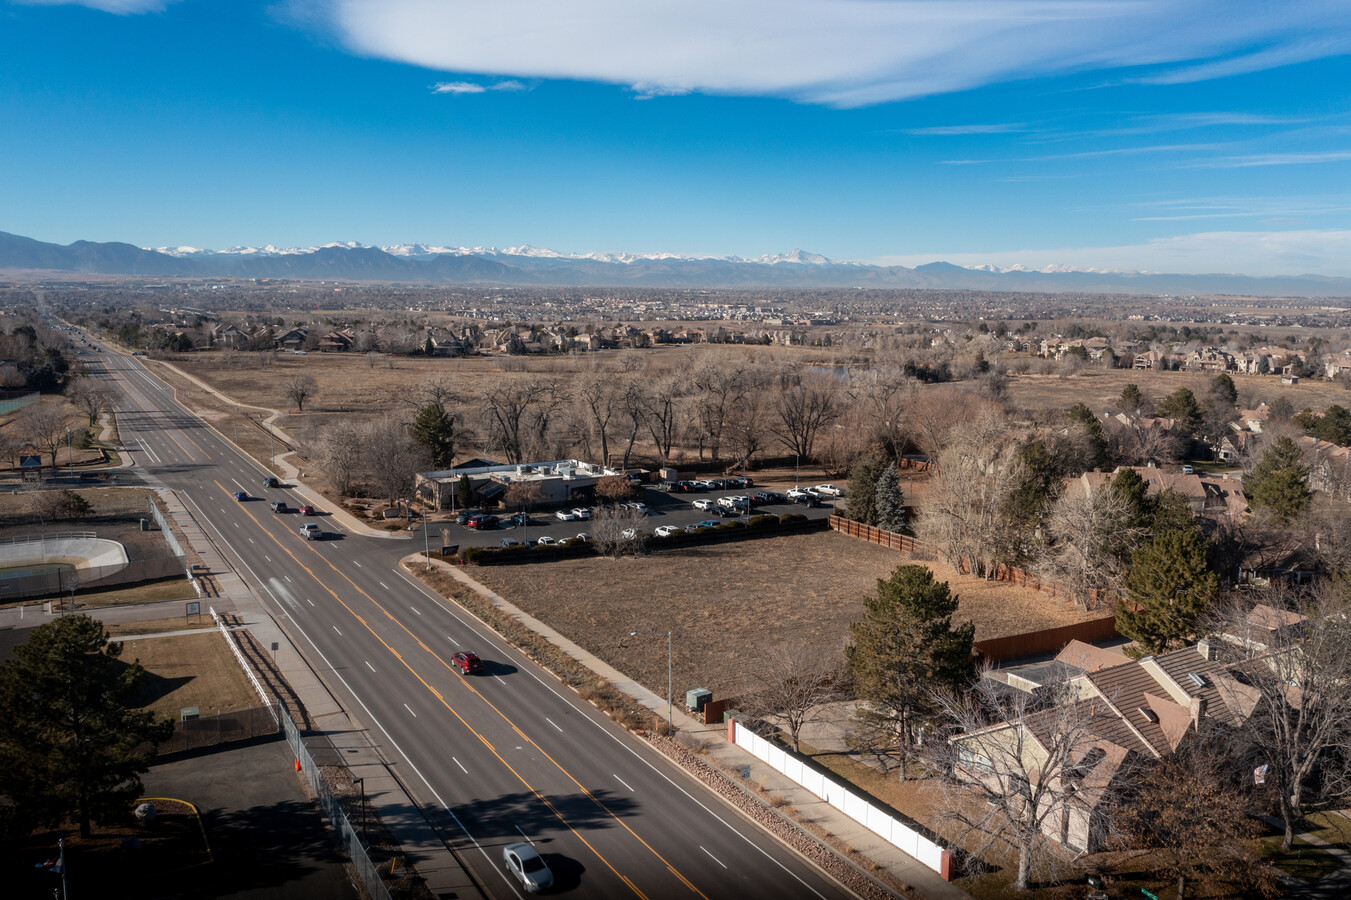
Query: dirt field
x=189, y=670
x=730, y=603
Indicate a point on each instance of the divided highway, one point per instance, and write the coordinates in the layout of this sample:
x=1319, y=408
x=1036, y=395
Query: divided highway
x=508, y=755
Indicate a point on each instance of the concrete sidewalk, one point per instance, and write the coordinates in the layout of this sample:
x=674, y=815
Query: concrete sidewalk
x=729, y=756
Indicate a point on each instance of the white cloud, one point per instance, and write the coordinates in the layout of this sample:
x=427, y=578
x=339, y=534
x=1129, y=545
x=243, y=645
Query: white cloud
x=1243, y=252
x=958, y=130
x=839, y=52
x=470, y=87
x=120, y=7
x=1274, y=159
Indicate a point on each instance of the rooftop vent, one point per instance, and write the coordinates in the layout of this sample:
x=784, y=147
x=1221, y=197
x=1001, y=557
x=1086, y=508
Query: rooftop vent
x=1198, y=680
x=1149, y=714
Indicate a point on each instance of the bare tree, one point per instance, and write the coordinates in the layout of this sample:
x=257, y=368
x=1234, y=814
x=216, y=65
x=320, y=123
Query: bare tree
x=665, y=412
x=882, y=394
x=504, y=402
x=90, y=398
x=720, y=383
x=936, y=411
x=617, y=531
x=599, y=395
x=399, y=456
x=802, y=408
x=45, y=426
x=339, y=451
x=299, y=389
x=1090, y=539
x=1292, y=655
x=524, y=494
x=789, y=687
x=1025, y=768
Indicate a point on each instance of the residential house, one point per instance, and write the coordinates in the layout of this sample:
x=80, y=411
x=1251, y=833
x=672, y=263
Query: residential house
x=292, y=340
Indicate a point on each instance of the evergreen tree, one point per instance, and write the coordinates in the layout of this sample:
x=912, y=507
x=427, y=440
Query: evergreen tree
x=904, y=648
x=1037, y=487
x=1181, y=405
x=434, y=431
x=70, y=745
x=1277, y=482
x=1168, y=589
x=889, y=502
x=1133, y=493
x=1222, y=389
x=1080, y=414
x=1131, y=400
x=862, y=503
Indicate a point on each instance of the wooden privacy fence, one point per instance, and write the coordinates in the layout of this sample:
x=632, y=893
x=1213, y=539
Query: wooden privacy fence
x=1012, y=646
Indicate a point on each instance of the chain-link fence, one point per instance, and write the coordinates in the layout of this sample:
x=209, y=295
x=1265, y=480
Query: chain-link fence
x=348, y=836
x=59, y=579
x=225, y=728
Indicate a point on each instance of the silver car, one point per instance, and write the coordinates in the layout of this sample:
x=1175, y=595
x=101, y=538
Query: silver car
x=528, y=866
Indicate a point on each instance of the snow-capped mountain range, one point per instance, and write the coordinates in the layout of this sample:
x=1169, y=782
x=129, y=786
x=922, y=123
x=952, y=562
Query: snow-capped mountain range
x=420, y=263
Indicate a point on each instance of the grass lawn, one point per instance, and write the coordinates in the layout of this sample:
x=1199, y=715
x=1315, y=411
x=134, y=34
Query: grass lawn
x=156, y=626
x=176, y=588
x=189, y=670
x=1304, y=861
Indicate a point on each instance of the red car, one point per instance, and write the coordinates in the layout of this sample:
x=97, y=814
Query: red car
x=480, y=522
x=468, y=663
x=306, y=510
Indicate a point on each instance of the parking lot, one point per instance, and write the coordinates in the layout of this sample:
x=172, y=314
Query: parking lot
x=663, y=508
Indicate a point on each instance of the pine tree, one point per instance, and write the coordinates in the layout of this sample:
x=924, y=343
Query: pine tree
x=862, y=503
x=434, y=431
x=70, y=745
x=1080, y=414
x=1278, y=481
x=1131, y=400
x=1181, y=405
x=888, y=501
x=904, y=648
x=1168, y=588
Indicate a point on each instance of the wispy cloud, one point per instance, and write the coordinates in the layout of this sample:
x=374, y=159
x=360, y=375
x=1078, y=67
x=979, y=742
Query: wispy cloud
x=1306, y=252
x=471, y=87
x=120, y=7
x=840, y=52
x=958, y=130
x=1273, y=159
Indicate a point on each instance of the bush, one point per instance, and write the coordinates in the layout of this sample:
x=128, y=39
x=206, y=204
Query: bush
x=786, y=518
x=763, y=521
x=727, y=526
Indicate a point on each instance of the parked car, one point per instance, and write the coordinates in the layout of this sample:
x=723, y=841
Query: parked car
x=705, y=503
x=731, y=511
x=631, y=534
x=528, y=866
x=768, y=497
x=510, y=542
x=241, y=496
x=740, y=481
x=271, y=482
x=567, y=515
x=278, y=506
x=544, y=541
x=637, y=506
x=305, y=509
x=708, y=523
x=311, y=531
x=703, y=485
x=1188, y=470
x=733, y=500
x=519, y=518
x=468, y=663
x=799, y=494
x=719, y=484
x=667, y=530
x=583, y=535
x=463, y=515
x=664, y=486
x=829, y=490
x=481, y=522
x=581, y=512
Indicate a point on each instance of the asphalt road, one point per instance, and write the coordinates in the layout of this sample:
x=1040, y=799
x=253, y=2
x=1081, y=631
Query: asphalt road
x=508, y=755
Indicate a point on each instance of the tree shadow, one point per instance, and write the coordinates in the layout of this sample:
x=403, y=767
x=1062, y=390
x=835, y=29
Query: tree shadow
x=268, y=845
x=502, y=815
x=153, y=687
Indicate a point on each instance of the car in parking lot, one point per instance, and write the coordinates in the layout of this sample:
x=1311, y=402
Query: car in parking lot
x=637, y=506
x=740, y=481
x=581, y=512
x=271, y=482
x=703, y=484
x=544, y=541
x=311, y=531
x=767, y=497
x=705, y=503
x=829, y=490
x=519, y=518
x=528, y=867
x=467, y=662
x=732, y=511
x=733, y=500
x=567, y=515
x=667, y=530
x=583, y=536
x=463, y=515
x=631, y=534
x=799, y=494
x=510, y=542
x=708, y=523
x=481, y=522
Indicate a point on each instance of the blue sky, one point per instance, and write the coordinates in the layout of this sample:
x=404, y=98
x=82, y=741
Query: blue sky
x=1179, y=136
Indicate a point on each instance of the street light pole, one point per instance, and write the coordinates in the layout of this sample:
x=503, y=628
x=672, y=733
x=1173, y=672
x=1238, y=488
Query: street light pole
x=670, y=720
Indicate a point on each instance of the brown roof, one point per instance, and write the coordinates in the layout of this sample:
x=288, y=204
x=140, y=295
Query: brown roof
x=1087, y=657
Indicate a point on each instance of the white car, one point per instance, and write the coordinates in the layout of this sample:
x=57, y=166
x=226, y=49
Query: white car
x=567, y=515
x=734, y=500
x=800, y=493
x=639, y=506
x=544, y=541
x=311, y=532
x=667, y=530
x=581, y=512
x=704, y=503
x=583, y=535
x=528, y=866
x=829, y=489
x=631, y=534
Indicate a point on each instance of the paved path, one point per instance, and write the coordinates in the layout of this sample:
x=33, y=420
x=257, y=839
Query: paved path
x=729, y=756
x=1336, y=886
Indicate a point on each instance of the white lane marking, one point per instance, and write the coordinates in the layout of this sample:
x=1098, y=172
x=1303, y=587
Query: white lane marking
x=383, y=585
x=414, y=609
x=266, y=557
x=287, y=577
x=250, y=540
x=335, y=628
x=410, y=709
x=553, y=723
x=500, y=681
x=461, y=765
x=524, y=835
x=369, y=666
x=712, y=857
x=358, y=565
x=309, y=601
x=623, y=782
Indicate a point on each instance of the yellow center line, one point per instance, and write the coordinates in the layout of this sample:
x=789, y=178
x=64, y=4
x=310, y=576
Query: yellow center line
x=126, y=386
x=543, y=799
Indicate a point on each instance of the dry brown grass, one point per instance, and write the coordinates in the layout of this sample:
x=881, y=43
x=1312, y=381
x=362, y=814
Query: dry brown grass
x=189, y=670
x=729, y=604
